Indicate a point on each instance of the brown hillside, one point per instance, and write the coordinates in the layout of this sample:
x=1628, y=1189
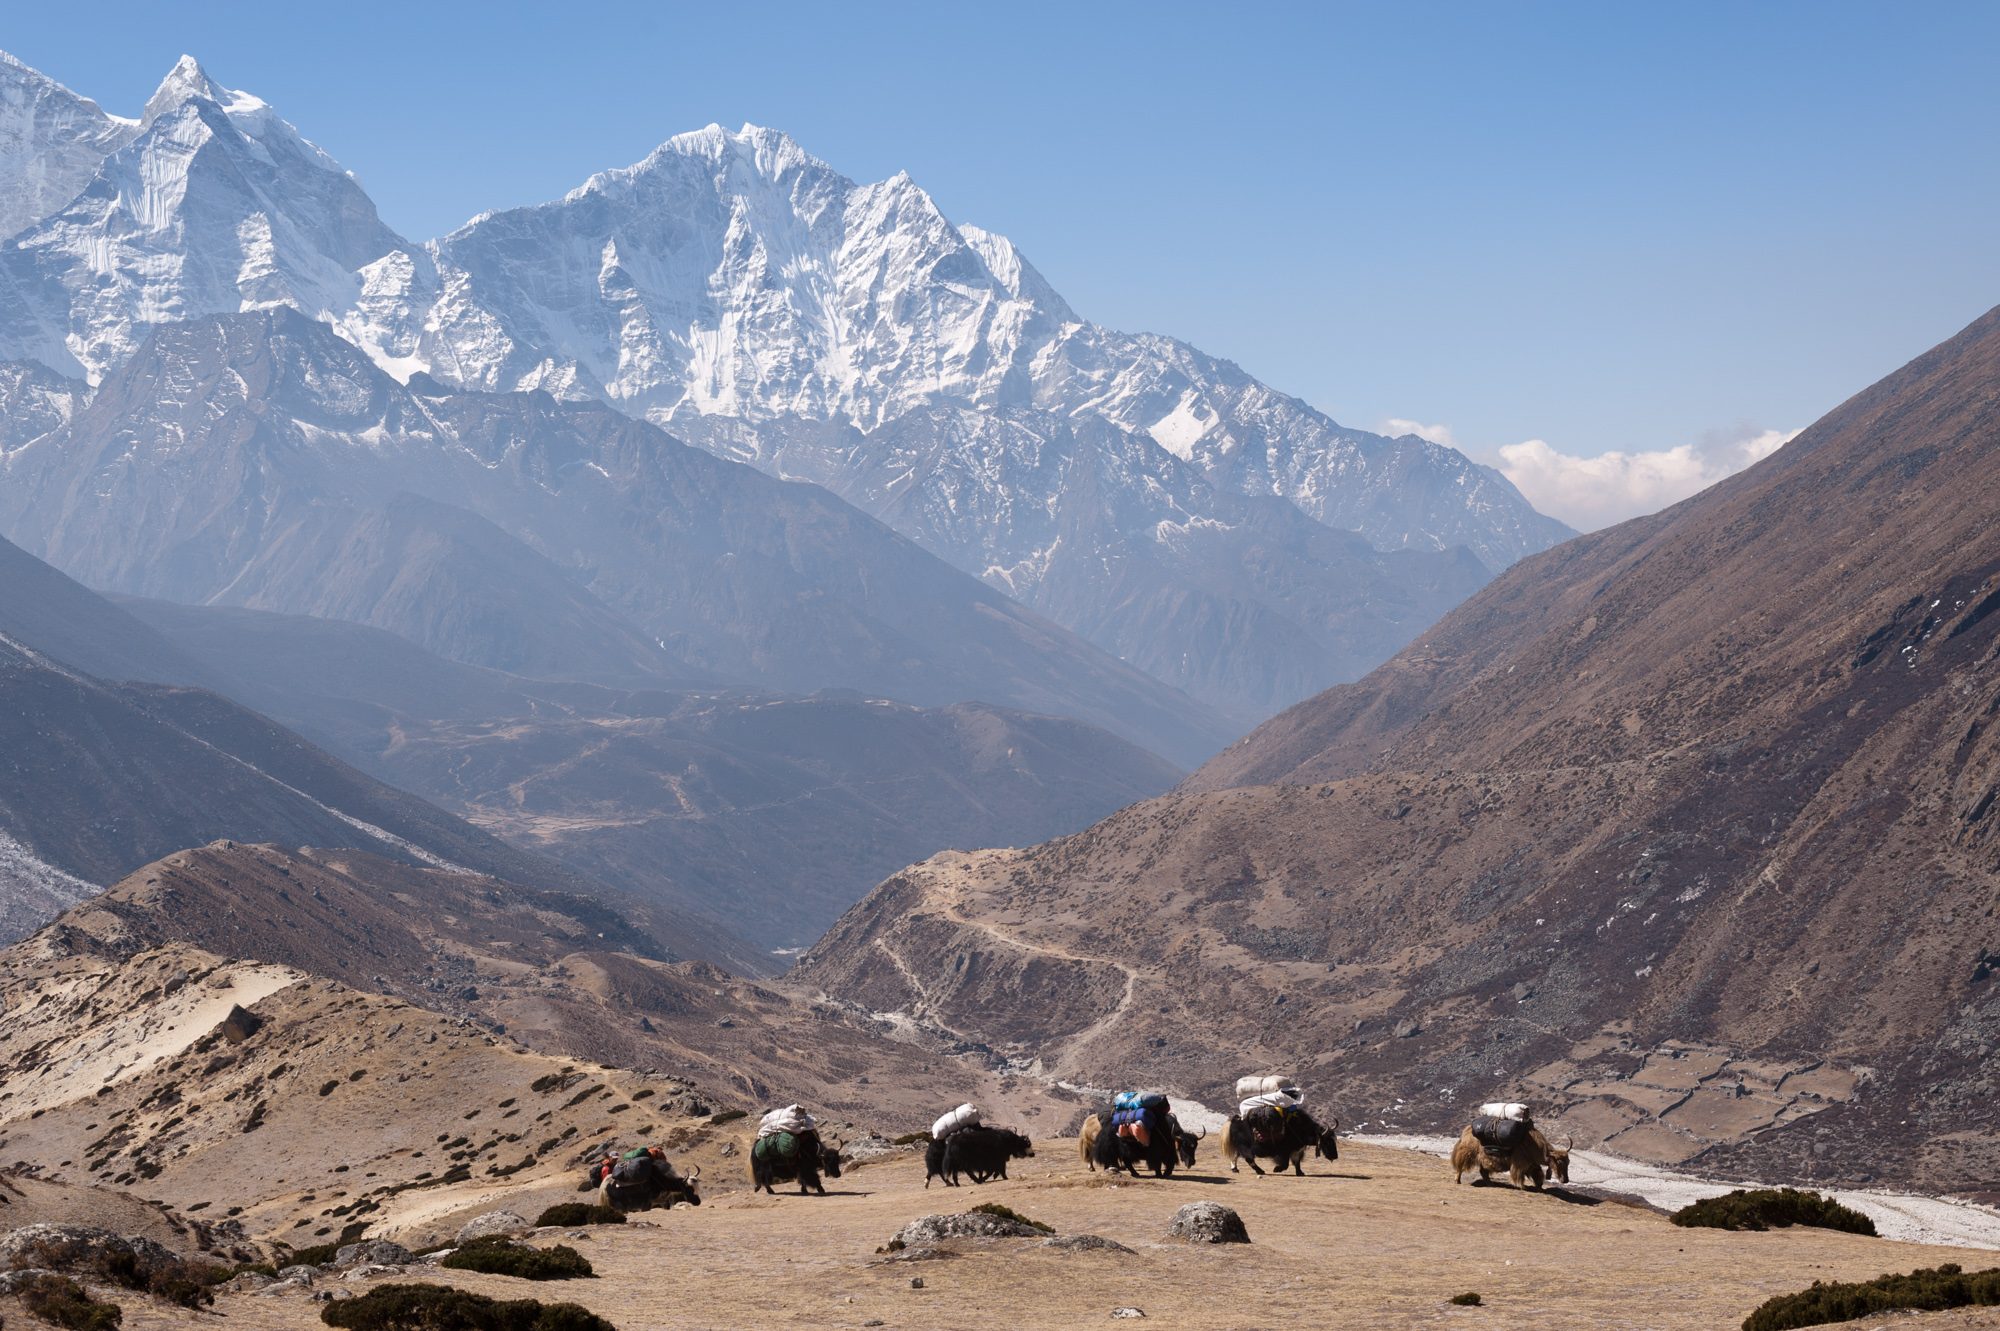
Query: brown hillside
x=1684, y=827
x=394, y=1010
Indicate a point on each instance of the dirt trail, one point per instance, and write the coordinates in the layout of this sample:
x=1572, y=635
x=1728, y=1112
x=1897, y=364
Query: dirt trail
x=1378, y=1239
x=952, y=908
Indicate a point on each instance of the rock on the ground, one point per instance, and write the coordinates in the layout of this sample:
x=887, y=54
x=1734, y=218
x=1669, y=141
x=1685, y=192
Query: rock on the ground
x=246, y=1282
x=65, y=1247
x=966, y=1225
x=1084, y=1243
x=1128, y=1312
x=921, y=1253
x=291, y=1278
x=873, y=1146
x=372, y=1252
x=10, y=1281
x=1208, y=1222
x=493, y=1222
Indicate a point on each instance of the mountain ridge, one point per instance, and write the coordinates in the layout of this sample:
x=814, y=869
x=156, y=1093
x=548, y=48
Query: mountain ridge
x=737, y=289
x=1681, y=830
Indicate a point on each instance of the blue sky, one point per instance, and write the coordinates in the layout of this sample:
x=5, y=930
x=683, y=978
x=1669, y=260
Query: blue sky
x=1668, y=233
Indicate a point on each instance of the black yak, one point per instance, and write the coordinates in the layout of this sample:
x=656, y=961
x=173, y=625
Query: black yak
x=646, y=1182
x=1284, y=1137
x=784, y=1156
x=981, y=1152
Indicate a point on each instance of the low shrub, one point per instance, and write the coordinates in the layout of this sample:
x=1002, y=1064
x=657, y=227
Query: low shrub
x=911, y=1139
x=1930, y=1290
x=62, y=1302
x=581, y=1213
x=170, y=1278
x=999, y=1212
x=1773, y=1208
x=497, y=1256
x=319, y=1254
x=442, y=1308
x=1469, y=1299
x=187, y=1284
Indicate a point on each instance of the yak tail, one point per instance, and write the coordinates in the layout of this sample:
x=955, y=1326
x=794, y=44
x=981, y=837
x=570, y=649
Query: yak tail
x=1086, y=1140
x=1229, y=1143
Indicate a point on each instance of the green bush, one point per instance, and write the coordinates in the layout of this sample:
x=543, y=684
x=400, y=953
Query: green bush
x=1466, y=1300
x=497, y=1256
x=442, y=1308
x=1773, y=1208
x=62, y=1302
x=1930, y=1290
x=998, y=1211
x=581, y=1213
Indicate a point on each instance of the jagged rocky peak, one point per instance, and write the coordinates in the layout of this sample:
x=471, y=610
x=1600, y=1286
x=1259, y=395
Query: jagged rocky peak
x=186, y=81
x=51, y=141
x=213, y=204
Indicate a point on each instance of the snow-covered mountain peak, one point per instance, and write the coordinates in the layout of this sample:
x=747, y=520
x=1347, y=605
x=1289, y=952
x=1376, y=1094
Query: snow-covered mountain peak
x=216, y=205
x=51, y=141
x=187, y=81
x=1013, y=271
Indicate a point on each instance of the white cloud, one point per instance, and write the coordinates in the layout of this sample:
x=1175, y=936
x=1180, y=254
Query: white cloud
x=1596, y=491
x=1395, y=427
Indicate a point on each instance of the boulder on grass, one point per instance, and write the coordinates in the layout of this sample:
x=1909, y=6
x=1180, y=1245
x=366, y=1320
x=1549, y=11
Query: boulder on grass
x=503, y=1223
x=1208, y=1222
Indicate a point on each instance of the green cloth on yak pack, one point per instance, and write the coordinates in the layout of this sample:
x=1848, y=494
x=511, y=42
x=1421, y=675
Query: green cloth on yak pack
x=778, y=1144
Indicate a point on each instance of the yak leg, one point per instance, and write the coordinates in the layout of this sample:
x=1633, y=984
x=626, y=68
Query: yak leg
x=1298, y=1158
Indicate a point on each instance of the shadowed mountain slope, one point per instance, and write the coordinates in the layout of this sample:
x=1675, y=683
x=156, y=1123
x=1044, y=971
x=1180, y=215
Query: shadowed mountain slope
x=1684, y=828
x=767, y=814
x=259, y=460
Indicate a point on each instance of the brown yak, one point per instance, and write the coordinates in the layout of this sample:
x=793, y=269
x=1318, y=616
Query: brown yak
x=1533, y=1159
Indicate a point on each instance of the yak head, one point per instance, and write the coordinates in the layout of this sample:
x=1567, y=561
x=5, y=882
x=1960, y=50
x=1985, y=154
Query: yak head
x=1328, y=1142
x=680, y=1187
x=1559, y=1163
x=1184, y=1142
x=1016, y=1145
x=829, y=1161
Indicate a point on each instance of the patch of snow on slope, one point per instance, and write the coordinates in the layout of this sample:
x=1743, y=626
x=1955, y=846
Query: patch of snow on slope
x=1907, y=1217
x=33, y=891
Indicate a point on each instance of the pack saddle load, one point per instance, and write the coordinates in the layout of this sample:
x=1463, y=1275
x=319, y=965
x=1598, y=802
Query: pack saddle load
x=1501, y=1126
x=965, y=1116
x=1139, y=1115
x=1249, y=1086
x=792, y=1119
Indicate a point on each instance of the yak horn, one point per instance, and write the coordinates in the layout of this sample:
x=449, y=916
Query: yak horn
x=694, y=1173
x=1199, y=1135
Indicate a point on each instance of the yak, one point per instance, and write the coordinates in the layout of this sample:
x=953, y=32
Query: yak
x=645, y=1182
x=979, y=1151
x=1532, y=1159
x=1175, y=1146
x=804, y=1157
x=1285, y=1138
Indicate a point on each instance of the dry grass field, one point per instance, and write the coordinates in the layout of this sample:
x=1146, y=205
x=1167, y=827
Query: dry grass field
x=1379, y=1238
